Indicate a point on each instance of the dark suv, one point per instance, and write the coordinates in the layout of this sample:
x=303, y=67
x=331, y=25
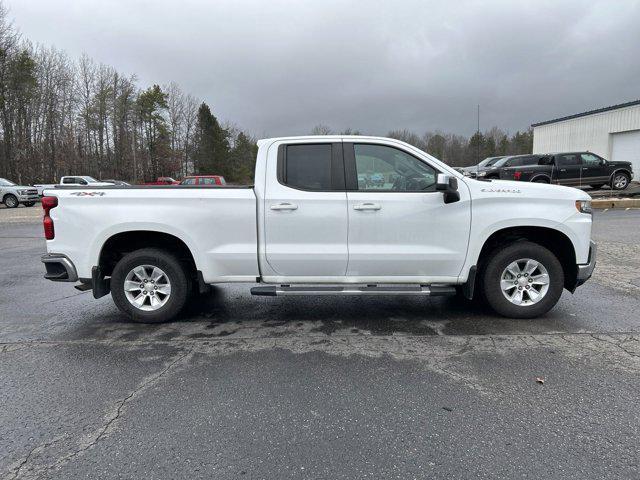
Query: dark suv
x=493, y=169
x=574, y=169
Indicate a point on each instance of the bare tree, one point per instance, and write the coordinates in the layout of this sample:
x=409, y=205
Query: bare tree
x=321, y=129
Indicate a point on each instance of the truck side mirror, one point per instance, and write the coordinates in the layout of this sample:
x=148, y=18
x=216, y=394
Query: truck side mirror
x=448, y=185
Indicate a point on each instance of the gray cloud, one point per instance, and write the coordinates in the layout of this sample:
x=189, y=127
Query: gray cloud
x=280, y=67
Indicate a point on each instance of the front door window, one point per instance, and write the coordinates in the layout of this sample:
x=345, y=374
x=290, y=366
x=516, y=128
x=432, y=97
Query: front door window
x=381, y=168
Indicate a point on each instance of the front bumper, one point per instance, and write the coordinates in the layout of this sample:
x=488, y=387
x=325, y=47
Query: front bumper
x=59, y=268
x=28, y=198
x=585, y=271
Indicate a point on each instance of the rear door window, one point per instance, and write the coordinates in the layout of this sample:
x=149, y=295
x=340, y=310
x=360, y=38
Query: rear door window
x=568, y=160
x=307, y=166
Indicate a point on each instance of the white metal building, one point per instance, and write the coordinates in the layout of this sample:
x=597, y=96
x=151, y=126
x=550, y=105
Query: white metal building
x=611, y=132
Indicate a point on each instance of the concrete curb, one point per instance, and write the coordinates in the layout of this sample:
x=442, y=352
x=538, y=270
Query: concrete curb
x=616, y=203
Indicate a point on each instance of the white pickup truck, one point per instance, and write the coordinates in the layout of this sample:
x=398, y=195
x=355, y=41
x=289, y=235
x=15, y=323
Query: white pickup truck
x=73, y=180
x=328, y=215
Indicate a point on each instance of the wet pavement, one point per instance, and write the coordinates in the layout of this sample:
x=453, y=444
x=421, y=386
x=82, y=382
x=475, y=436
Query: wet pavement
x=317, y=387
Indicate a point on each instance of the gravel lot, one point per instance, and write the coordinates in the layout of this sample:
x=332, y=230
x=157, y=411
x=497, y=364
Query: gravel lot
x=245, y=387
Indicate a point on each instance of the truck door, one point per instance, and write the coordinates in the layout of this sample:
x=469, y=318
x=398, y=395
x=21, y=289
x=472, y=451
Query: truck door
x=568, y=169
x=594, y=170
x=399, y=225
x=305, y=210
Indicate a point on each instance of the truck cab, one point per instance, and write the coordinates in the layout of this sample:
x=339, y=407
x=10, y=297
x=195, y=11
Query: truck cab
x=82, y=180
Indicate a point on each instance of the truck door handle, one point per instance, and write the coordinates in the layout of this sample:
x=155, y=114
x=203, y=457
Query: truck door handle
x=284, y=206
x=367, y=206
x=563, y=169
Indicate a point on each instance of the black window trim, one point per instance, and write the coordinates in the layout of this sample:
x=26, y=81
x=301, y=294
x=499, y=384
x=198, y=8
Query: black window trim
x=336, y=168
x=351, y=173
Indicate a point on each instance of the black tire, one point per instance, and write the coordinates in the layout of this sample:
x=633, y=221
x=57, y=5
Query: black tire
x=29, y=204
x=10, y=201
x=598, y=186
x=623, y=183
x=175, y=272
x=498, y=262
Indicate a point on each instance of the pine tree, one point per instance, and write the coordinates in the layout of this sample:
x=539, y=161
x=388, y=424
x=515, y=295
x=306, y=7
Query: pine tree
x=211, y=145
x=242, y=159
x=152, y=105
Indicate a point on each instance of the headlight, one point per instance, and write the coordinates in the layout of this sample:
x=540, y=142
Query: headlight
x=584, y=206
x=481, y=174
x=23, y=192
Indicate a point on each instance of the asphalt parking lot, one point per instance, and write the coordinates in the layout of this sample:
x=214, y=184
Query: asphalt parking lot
x=246, y=387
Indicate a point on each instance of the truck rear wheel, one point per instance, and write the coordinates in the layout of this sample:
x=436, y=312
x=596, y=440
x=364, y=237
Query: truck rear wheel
x=150, y=285
x=522, y=280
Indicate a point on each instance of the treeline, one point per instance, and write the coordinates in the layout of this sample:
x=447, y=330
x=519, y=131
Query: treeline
x=457, y=150
x=60, y=116
x=64, y=117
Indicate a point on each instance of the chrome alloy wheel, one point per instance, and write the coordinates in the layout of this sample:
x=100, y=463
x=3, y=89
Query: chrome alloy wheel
x=620, y=181
x=11, y=201
x=524, y=282
x=147, y=287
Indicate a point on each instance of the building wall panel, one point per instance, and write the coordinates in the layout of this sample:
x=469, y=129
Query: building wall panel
x=592, y=132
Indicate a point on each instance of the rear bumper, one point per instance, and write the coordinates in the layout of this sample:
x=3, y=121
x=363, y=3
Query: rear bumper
x=59, y=268
x=585, y=271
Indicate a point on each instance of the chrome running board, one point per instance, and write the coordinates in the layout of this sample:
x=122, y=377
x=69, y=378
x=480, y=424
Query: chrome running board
x=427, y=290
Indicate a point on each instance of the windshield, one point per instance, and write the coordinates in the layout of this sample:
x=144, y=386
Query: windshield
x=500, y=162
x=489, y=161
x=6, y=183
x=90, y=179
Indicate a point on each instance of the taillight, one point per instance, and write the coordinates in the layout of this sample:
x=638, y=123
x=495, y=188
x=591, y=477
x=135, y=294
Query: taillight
x=47, y=204
x=517, y=175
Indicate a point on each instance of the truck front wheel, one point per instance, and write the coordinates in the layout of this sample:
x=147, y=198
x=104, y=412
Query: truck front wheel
x=620, y=181
x=522, y=280
x=150, y=285
x=11, y=201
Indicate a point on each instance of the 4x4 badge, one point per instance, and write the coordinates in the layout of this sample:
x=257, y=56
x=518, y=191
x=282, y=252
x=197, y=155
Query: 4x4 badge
x=88, y=194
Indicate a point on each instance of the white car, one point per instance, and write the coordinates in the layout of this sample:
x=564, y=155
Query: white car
x=13, y=195
x=74, y=180
x=308, y=227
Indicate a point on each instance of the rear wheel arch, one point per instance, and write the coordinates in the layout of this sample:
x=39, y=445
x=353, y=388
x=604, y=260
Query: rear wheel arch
x=123, y=243
x=553, y=240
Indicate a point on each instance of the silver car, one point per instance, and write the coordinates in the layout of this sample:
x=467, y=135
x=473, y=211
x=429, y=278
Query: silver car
x=13, y=195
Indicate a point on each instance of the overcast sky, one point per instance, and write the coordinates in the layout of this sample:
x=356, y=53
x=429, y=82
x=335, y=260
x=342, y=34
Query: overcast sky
x=281, y=67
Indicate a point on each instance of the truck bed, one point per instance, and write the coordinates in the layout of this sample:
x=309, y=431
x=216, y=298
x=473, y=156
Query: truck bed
x=216, y=223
